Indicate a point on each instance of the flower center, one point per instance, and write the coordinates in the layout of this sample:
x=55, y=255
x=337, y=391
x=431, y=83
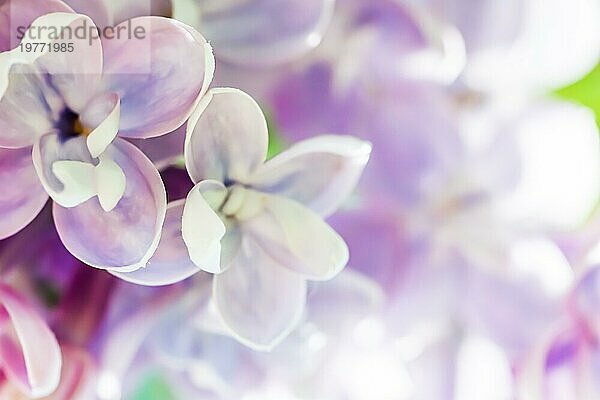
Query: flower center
x=69, y=125
x=241, y=203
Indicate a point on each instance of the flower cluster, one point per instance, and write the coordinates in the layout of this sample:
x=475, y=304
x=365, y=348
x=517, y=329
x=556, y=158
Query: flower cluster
x=294, y=200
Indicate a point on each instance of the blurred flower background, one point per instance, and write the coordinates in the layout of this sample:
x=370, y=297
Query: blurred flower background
x=399, y=201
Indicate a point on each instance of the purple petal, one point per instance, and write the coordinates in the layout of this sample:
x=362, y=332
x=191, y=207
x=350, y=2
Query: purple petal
x=97, y=10
x=125, y=238
x=412, y=149
x=159, y=77
x=387, y=41
x=259, y=300
x=319, y=173
x=21, y=13
x=379, y=246
x=227, y=137
x=260, y=31
x=300, y=113
x=23, y=196
x=31, y=359
x=171, y=263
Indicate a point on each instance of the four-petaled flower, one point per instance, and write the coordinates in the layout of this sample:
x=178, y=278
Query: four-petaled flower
x=256, y=225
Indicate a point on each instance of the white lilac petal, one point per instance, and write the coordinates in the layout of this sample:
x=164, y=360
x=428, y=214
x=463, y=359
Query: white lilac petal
x=202, y=228
x=298, y=238
x=171, y=263
x=81, y=181
x=107, y=130
x=49, y=150
x=319, y=173
x=77, y=178
x=227, y=137
x=260, y=301
x=110, y=183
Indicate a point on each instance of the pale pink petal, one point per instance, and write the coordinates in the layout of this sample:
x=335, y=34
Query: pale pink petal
x=21, y=13
x=31, y=358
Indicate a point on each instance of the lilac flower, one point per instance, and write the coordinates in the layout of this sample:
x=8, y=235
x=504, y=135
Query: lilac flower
x=256, y=225
x=61, y=115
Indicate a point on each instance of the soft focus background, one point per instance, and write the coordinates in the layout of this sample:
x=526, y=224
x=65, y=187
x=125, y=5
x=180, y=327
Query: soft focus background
x=474, y=233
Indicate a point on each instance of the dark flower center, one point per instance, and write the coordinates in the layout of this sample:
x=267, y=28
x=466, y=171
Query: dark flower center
x=69, y=125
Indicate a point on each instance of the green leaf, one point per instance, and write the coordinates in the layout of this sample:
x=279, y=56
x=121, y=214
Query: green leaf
x=586, y=92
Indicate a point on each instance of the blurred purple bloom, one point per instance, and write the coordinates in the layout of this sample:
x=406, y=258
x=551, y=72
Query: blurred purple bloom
x=258, y=32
